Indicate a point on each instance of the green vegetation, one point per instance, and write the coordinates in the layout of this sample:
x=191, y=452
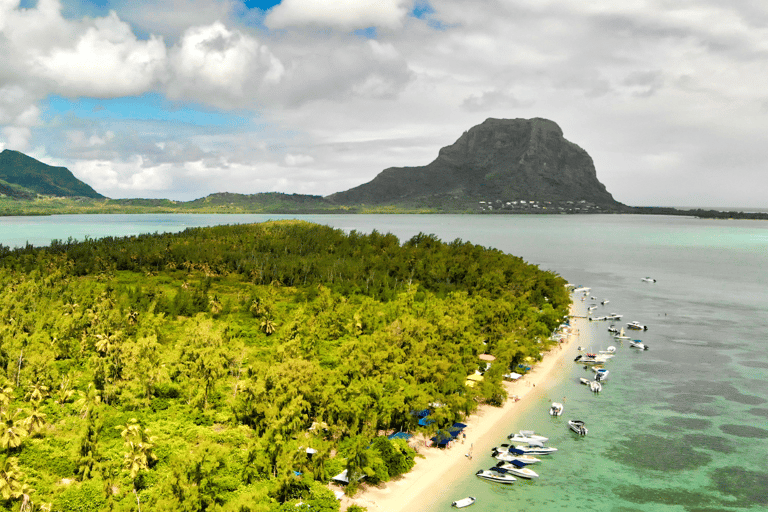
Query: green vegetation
x=193, y=371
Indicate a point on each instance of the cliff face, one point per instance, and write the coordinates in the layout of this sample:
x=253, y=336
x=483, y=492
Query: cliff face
x=500, y=159
x=34, y=176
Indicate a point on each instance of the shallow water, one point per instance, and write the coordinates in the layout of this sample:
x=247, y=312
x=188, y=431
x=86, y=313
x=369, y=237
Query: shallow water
x=680, y=427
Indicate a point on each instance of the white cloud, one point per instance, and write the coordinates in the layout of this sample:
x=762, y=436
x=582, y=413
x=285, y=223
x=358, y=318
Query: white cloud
x=221, y=66
x=107, y=60
x=17, y=137
x=298, y=160
x=344, y=14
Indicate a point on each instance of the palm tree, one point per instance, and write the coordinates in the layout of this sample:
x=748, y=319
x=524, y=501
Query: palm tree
x=13, y=431
x=35, y=421
x=88, y=400
x=10, y=478
x=267, y=325
x=6, y=393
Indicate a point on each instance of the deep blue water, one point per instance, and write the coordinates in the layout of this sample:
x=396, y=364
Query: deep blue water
x=680, y=427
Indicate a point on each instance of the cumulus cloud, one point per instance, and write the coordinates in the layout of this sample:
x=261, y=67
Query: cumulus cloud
x=344, y=14
x=221, y=66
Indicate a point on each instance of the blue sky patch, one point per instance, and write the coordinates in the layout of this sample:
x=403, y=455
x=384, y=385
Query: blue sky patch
x=147, y=107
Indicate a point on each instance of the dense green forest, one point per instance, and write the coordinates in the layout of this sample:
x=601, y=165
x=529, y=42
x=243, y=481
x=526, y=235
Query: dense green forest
x=238, y=368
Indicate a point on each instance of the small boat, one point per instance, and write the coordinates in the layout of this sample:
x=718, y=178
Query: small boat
x=621, y=335
x=613, y=330
x=464, y=502
x=578, y=427
x=508, y=453
x=556, y=409
x=495, y=476
x=595, y=386
x=590, y=358
x=610, y=350
x=615, y=316
x=522, y=438
x=598, y=318
x=536, y=449
x=648, y=280
x=638, y=344
x=518, y=470
x=584, y=381
x=637, y=326
x=601, y=374
x=533, y=435
x=606, y=301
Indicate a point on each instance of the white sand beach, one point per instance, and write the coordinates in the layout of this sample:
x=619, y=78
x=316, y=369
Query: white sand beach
x=431, y=476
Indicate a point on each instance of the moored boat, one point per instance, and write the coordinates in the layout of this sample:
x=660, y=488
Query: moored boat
x=648, y=280
x=464, y=502
x=496, y=476
x=637, y=326
x=578, y=427
x=601, y=374
x=533, y=449
x=518, y=470
x=522, y=438
x=556, y=409
x=595, y=386
x=638, y=344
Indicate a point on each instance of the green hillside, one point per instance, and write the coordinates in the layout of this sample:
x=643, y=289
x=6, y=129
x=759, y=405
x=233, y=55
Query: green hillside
x=19, y=169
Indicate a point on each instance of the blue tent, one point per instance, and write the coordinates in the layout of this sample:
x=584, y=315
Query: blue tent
x=442, y=438
x=425, y=421
x=400, y=435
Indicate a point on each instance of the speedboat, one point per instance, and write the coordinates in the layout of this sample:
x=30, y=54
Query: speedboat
x=601, y=374
x=606, y=301
x=595, y=386
x=598, y=318
x=518, y=470
x=615, y=316
x=590, y=358
x=578, y=427
x=523, y=437
x=621, y=335
x=556, y=409
x=638, y=344
x=536, y=449
x=610, y=350
x=533, y=435
x=507, y=453
x=648, y=280
x=584, y=381
x=496, y=476
x=613, y=330
x=637, y=326
x=464, y=502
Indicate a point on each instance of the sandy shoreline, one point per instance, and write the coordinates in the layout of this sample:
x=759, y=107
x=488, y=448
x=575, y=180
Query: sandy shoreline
x=432, y=475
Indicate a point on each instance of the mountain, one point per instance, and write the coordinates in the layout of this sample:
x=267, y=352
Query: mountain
x=22, y=176
x=501, y=163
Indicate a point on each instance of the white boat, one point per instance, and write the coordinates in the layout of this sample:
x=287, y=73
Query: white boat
x=621, y=335
x=637, y=326
x=615, y=316
x=601, y=374
x=519, y=471
x=578, y=427
x=496, y=476
x=536, y=449
x=613, y=330
x=526, y=435
x=590, y=358
x=522, y=459
x=648, y=280
x=638, y=344
x=464, y=502
x=595, y=386
x=556, y=409
x=606, y=301
x=584, y=381
x=610, y=350
x=534, y=435
x=598, y=318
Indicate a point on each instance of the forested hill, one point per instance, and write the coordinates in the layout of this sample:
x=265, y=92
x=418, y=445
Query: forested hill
x=22, y=176
x=192, y=371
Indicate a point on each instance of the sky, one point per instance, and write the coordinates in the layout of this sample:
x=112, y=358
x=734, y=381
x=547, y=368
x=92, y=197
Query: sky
x=180, y=99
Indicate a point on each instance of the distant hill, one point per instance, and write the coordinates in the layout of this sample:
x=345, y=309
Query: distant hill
x=22, y=176
x=501, y=163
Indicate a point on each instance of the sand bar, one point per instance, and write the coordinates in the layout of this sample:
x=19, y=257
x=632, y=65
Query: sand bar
x=432, y=475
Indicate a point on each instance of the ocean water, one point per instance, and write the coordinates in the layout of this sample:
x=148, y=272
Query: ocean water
x=682, y=426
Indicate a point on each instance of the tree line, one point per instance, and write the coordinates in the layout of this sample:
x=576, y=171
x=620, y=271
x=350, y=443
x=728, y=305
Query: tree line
x=238, y=368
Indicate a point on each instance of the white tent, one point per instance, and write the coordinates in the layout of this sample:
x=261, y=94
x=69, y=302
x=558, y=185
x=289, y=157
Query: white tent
x=512, y=376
